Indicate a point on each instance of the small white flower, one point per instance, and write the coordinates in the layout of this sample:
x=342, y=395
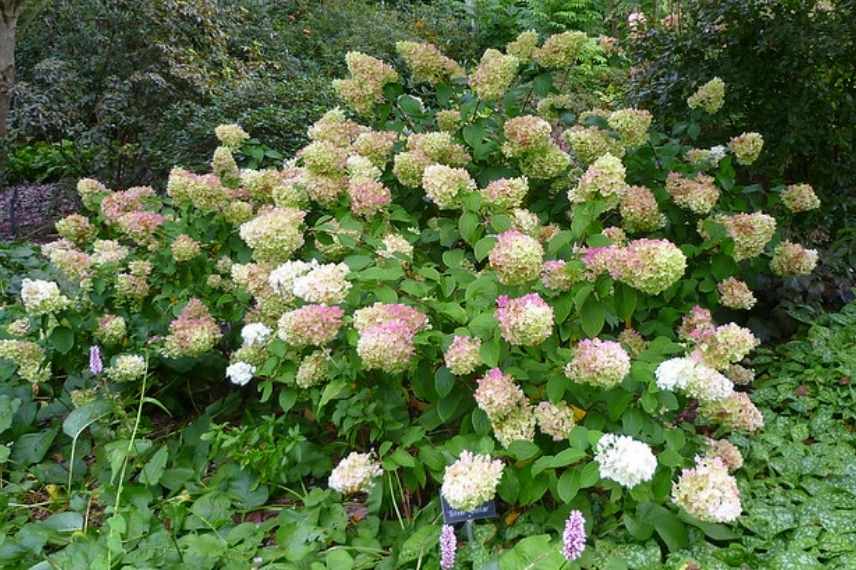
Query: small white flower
x=717, y=153
x=355, y=474
x=240, y=373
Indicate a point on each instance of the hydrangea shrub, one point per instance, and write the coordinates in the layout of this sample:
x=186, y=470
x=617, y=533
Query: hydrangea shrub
x=445, y=291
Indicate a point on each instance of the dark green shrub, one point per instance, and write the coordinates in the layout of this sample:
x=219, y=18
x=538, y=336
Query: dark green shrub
x=789, y=71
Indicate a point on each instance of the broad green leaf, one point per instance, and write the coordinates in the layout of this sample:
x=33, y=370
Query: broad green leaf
x=153, y=469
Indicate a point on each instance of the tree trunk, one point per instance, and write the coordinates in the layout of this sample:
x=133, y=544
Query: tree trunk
x=9, y=11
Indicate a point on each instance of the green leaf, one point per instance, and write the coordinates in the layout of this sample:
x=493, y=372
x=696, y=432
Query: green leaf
x=403, y=458
x=332, y=391
x=523, y=450
x=556, y=387
x=339, y=559
x=287, y=399
x=593, y=315
x=568, y=485
x=444, y=381
x=32, y=447
x=153, y=469
x=8, y=409
x=64, y=522
x=483, y=247
x=490, y=351
x=62, y=339
x=418, y=544
x=470, y=227
x=558, y=241
x=626, y=299
x=81, y=418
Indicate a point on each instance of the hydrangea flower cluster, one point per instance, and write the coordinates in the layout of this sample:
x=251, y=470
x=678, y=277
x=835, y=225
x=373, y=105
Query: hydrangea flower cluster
x=709, y=96
x=705, y=158
x=699, y=194
x=650, y=265
x=746, y=147
x=445, y=185
x=792, y=259
x=735, y=294
x=697, y=380
x=750, y=232
x=274, y=234
x=427, y=63
x=632, y=342
x=91, y=193
x=29, y=357
x=631, y=125
x=184, y=248
x=313, y=369
x=524, y=46
x=557, y=275
x=601, y=363
x=591, y=143
x=323, y=284
x=516, y=258
x=728, y=344
x=311, y=325
x=639, y=210
x=708, y=492
x=396, y=245
x=726, y=451
x=471, y=481
x=240, y=373
x=526, y=134
x=448, y=120
x=561, y=50
x=506, y=193
x=524, y=321
x=42, y=297
x=800, y=198
x=354, y=474
x=127, y=368
x=497, y=395
x=364, y=88
x=494, y=75
x=555, y=420
x=624, y=460
x=386, y=336
x=737, y=412
x=193, y=333
x=111, y=329
x=604, y=179
x=231, y=135
x=77, y=229
x=463, y=355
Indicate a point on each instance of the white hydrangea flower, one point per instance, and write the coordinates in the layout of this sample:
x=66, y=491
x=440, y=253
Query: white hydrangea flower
x=708, y=385
x=240, y=373
x=717, y=153
x=355, y=474
x=325, y=284
x=471, y=481
x=624, y=460
x=255, y=333
x=675, y=373
x=41, y=297
x=281, y=279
